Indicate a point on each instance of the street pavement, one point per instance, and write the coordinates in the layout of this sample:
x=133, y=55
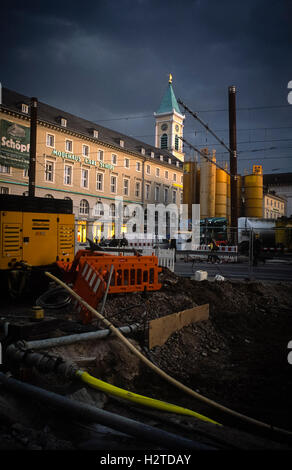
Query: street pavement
x=272, y=270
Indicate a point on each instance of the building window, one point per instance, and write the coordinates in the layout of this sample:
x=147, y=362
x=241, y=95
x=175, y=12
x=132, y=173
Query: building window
x=176, y=142
x=138, y=166
x=148, y=169
x=174, y=197
x=163, y=141
x=157, y=172
x=112, y=210
x=5, y=169
x=84, y=207
x=126, y=187
x=25, y=193
x=63, y=122
x=4, y=190
x=114, y=159
x=122, y=143
x=127, y=163
x=113, y=184
x=49, y=173
x=166, y=175
x=98, y=209
x=68, y=174
x=157, y=193
x=24, y=108
x=147, y=191
x=99, y=181
x=152, y=154
x=137, y=189
x=69, y=145
x=84, y=178
x=50, y=140
x=85, y=150
x=174, y=176
x=95, y=133
x=165, y=195
x=25, y=173
x=100, y=155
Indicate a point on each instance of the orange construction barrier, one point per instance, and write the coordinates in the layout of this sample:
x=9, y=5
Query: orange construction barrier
x=89, y=274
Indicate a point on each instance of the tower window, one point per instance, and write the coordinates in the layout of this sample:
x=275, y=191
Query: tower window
x=163, y=141
x=176, y=142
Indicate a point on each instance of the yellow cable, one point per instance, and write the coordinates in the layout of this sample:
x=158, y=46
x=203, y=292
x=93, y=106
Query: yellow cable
x=140, y=399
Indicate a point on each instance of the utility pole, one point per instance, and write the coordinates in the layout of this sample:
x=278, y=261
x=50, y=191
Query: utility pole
x=33, y=138
x=233, y=162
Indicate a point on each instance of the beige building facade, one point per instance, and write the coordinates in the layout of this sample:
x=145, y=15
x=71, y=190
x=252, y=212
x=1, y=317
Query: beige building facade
x=274, y=206
x=85, y=162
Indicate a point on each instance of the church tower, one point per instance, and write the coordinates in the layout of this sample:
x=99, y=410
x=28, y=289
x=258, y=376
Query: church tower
x=169, y=124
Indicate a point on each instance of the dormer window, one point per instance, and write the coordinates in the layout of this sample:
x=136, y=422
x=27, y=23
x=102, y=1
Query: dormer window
x=63, y=122
x=161, y=158
x=24, y=108
x=169, y=161
x=122, y=143
x=177, y=163
x=95, y=133
x=142, y=150
x=152, y=154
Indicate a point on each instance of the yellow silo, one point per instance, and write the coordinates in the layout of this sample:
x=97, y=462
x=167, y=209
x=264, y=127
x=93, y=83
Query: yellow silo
x=207, y=186
x=253, y=190
x=221, y=193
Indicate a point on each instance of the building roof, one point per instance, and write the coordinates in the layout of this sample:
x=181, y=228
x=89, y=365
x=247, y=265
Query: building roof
x=169, y=102
x=13, y=101
x=278, y=179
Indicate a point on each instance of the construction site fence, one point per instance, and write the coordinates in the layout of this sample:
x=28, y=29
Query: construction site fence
x=166, y=257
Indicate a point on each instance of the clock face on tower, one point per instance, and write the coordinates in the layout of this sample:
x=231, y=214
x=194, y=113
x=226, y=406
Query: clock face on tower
x=164, y=127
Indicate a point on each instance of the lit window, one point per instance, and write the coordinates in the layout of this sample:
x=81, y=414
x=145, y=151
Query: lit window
x=114, y=159
x=49, y=172
x=85, y=150
x=126, y=187
x=69, y=146
x=99, y=181
x=127, y=163
x=84, y=178
x=84, y=207
x=113, y=184
x=68, y=174
x=50, y=140
x=100, y=155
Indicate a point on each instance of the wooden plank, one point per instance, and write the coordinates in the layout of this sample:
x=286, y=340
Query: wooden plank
x=162, y=328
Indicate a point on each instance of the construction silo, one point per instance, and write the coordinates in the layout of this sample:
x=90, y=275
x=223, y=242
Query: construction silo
x=253, y=190
x=207, y=186
x=221, y=193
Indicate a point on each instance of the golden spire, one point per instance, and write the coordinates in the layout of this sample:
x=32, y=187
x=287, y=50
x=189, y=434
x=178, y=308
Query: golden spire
x=170, y=78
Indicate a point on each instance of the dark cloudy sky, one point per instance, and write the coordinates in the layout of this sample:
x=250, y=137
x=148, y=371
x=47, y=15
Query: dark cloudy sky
x=108, y=61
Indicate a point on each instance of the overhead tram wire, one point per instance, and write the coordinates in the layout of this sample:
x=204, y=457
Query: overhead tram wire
x=195, y=115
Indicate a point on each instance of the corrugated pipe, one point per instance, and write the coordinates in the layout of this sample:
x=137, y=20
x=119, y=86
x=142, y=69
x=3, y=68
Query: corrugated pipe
x=77, y=338
x=88, y=413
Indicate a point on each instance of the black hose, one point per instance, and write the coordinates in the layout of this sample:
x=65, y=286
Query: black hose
x=44, y=299
x=88, y=413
